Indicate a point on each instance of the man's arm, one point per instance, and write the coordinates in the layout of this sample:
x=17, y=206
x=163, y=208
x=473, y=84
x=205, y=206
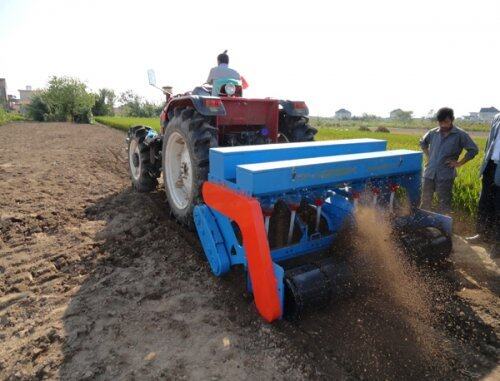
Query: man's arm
x=491, y=136
x=210, y=78
x=424, y=144
x=471, y=148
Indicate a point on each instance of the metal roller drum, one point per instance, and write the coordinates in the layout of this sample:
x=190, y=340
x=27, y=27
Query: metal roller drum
x=314, y=286
x=427, y=244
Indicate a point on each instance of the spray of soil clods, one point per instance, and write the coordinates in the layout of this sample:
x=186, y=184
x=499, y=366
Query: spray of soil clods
x=383, y=267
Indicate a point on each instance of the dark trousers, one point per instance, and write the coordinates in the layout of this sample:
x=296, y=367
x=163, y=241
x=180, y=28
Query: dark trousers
x=488, y=211
x=443, y=190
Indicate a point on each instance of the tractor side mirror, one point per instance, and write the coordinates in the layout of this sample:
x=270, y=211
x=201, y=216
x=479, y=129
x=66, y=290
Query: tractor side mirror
x=152, y=77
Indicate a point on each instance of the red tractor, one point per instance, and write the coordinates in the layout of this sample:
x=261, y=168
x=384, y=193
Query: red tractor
x=194, y=122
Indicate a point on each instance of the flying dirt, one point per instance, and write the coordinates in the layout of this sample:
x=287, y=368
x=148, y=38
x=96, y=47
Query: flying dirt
x=99, y=282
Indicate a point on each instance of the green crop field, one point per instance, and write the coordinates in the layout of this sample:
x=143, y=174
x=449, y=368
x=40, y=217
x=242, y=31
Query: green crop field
x=467, y=184
x=372, y=124
x=124, y=123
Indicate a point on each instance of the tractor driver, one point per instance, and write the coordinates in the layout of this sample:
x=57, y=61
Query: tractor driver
x=222, y=70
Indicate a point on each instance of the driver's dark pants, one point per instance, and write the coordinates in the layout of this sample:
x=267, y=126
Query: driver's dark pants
x=488, y=211
x=443, y=190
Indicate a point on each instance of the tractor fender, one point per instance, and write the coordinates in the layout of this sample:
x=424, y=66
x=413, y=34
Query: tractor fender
x=145, y=134
x=198, y=103
x=289, y=108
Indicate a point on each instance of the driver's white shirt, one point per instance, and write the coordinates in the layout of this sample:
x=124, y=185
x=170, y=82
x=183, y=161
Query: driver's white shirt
x=222, y=71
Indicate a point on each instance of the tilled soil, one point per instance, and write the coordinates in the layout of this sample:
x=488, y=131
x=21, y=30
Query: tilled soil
x=97, y=282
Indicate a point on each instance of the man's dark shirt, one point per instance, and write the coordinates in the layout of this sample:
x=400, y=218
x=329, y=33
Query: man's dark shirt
x=444, y=148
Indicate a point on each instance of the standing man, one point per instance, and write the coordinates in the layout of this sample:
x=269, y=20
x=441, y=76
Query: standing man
x=442, y=147
x=488, y=213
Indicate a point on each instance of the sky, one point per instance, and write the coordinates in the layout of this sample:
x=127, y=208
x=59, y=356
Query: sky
x=366, y=56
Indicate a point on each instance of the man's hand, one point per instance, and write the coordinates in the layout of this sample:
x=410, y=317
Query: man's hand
x=454, y=163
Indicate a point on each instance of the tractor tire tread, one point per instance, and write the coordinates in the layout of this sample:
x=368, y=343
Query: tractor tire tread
x=296, y=128
x=200, y=137
x=146, y=182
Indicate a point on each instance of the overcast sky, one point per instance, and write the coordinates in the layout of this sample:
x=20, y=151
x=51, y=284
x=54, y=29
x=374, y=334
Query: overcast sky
x=366, y=56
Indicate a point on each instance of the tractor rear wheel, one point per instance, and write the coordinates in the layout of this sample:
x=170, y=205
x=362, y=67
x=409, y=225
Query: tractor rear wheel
x=139, y=160
x=187, y=140
x=296, y=128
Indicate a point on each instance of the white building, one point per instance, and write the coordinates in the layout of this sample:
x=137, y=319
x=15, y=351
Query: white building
x=473, y=116
x=394, y=114
x=342, y=114
x=487, y=114
x=25, y=95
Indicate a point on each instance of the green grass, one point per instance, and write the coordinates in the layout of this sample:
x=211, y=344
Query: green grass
x=374, y=123
x=124, y=123
x=6, y=117
x=467, y=184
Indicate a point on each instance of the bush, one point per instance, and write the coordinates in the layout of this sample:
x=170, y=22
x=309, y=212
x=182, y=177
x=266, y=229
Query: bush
x=6, y=117
x=38, y=109
x=382, y=129
x=65, y=100
x=363, y=128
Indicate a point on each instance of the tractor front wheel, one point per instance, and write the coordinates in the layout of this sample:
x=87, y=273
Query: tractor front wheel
x=139, y=161
x=188, y=138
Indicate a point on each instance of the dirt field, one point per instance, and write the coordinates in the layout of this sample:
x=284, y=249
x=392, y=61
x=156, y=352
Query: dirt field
x=96, y=282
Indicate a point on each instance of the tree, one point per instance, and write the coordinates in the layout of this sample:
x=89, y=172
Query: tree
x=104, y=102
x=131, y=103
x=135, y=106
x=366, y=116
x=65, y=99
x=431, y=114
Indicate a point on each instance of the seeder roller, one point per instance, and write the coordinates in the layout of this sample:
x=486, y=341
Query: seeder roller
x=274, y=208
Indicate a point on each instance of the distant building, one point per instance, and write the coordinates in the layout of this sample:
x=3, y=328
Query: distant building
x=394, y=114
x=473, y=116
x=487, y=114
x=25, y=95
x=13, y=103
x=3, y=92
x=342, y=114
x=400, y=114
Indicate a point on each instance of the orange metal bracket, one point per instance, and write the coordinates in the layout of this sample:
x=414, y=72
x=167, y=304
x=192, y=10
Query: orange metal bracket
x=246, y=212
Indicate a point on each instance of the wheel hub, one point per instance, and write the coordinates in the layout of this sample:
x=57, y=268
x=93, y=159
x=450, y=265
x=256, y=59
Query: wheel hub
x=178, y=172
x=135, y=159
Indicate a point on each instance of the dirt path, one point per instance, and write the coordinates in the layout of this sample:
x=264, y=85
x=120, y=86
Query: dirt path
x=96, y=282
